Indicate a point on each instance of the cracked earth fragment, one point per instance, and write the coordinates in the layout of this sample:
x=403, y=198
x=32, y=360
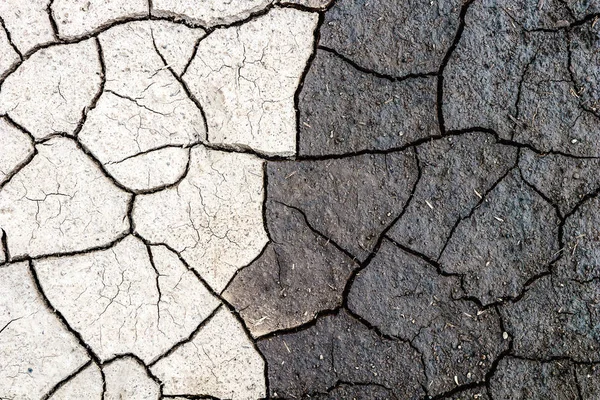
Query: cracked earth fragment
x=406, y=298
x=566, y=181
x=389, y=114
x=28, y=23
x=61, y=202
x=562, y=310
x=246, y=76
x=519, y=79
x=350, y=201
x=219, y=360
x=298, y=275
x=126, y=378
x=338, y=348
x=131, y=141
x=176, y=43
x=213, y=217
x=392, y=38
x=137, y=299
x=36, y=351
x=49, y=92
x=136, y=71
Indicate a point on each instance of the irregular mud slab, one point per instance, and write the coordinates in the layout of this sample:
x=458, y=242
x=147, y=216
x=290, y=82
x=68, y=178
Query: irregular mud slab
x=50, y=91
x=208, y=13
x=126, y=378
x=28, y=23
x=518, y=83
x=135, y=70
x=351, y=200
x=87, y=384
x=8, y=54
x=36, y=351
x=556, y=318
x=120, y=128
x=213, y=217
x=509, y=239
x=299, y=274
x=581, y=258
x=61, y=202
x=390, y=37
x=246, y=76
x=455, y=173
x=484, y=71
x=17, y=148
x=517, y=379
x=551, y=115
x=150, y=171
x=344, y=110
x=176, y=43
x=405, y=297
x=564, y=180
x=74, y=19
x=122, y=301
x=219, y=360
x=339, y=348
x=130, y=140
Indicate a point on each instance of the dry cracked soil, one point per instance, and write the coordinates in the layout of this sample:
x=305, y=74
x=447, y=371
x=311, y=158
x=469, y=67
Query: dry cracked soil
x=299, y=199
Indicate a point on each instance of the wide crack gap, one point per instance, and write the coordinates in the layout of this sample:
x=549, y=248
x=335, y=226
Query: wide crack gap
x=9, y=38
x=445, y=60
x=96, y=98
x=72, y=253
x=52, y=19
x=91, y=354
x=66, y=380
x=309, y=63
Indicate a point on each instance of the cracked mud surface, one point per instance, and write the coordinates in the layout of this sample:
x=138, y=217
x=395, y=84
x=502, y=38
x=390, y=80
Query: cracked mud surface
x=299, y=199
